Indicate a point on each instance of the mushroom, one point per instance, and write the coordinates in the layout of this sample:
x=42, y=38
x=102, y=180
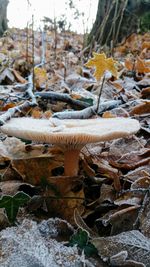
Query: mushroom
x=70, y=134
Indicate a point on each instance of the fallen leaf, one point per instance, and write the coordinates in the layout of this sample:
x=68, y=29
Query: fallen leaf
x=143, y=108
x=135, y=243
x=142, y=66
x=71, y=196
x=40, y=77
x=145, y=92
x=132, y=160
x=18, y=77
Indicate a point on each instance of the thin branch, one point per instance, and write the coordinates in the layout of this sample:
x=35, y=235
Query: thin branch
x=54, y=96
x=120, y=21
x=33, y=74
x=100, y=93
x=88, y=112
x=11, y=111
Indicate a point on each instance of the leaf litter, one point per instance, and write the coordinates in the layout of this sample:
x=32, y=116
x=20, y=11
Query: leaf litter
x=111, y=192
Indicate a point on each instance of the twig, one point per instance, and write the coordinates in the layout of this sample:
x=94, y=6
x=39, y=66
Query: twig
x=100, y=93
x=27, y=41
x=120, y=21
x=53, y=96
x=140, y=213
x=33, y=74
x=87, y=112
x=43, y=60
x=30, y=90
x=11, y=111
x=103, y=24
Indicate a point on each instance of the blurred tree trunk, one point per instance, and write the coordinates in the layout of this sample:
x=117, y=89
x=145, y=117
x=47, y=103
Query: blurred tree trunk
x=117, y=19
x=3, y=16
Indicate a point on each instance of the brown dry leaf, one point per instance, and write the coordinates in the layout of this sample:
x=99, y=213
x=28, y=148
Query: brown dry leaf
x=123, y=146
x=18, y=77
x=138, y=173
x=107, y=193
x=129, y=64
x=132, y=160
x=13, y=186
x=108, y=171
x=7, y=76
x=145, y=92
x=33, y=170
x=121, y=260
x=129, y=198
x=108, y=114
x=88, y=170
x=47, y=114
x=40, y=77
x=145, y=219
x=135, y=243
x=117, y=85
x=123, y=220
x=101, y=63
x=36, y=113
x=145, y=44
x=142, y=182
x=143, y=108
x=142, y=66
x=12, y=147
x=7, y=106
x=72, y=197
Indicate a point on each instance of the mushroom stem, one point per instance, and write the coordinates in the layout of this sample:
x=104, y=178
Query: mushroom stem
x=71, y=162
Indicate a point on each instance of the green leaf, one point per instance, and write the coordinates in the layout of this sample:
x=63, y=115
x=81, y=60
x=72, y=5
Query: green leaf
x=12, y=204
x=80, y=239
x=87, y=100
x=90, y=250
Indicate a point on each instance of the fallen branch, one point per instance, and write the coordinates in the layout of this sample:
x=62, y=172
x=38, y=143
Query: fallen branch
x=88, y=112
x=30, y=90
x=11, y=111
x=63, y=98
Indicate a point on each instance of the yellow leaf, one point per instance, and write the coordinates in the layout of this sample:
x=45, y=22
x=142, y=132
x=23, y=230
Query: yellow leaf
x=40, y=76
x=101, y=64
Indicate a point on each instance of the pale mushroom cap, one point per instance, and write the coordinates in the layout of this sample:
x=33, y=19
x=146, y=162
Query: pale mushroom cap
x=70, y=132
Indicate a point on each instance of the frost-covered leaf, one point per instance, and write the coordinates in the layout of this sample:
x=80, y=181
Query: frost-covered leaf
x=135, y=243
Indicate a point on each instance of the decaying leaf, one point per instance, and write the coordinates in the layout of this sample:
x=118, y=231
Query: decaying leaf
x=67, y=196
x=143, y=108
x=142, y=66
x=135, y=243
x=101, y=64
x=132, y=160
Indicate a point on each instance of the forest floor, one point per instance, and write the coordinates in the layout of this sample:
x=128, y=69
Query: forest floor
x=108, y=202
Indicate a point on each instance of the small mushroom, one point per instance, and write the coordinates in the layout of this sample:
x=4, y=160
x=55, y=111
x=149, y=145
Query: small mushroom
x=72, y=135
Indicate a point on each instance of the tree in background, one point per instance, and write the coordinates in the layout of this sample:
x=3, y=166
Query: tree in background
x=3, y=16
x=117, y=19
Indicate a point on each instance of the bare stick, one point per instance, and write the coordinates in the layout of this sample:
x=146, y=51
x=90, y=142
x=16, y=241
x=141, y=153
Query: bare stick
x=54, y=96
x=100, y=93
x=11, y=111
x=87, y=112
x=121, y=18
x=30, y=90
x=27, y=42
x=43, y=46
x=33, y=74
